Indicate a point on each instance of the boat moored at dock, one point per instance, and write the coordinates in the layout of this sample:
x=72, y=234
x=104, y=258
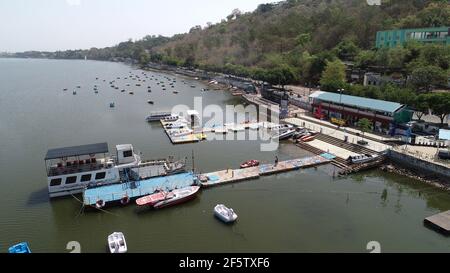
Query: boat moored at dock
x=152, y=199
x=250, y=163
x=72, y=169
x=157, y=116
x=359, y=159
x=178, y=196
x=284, y=134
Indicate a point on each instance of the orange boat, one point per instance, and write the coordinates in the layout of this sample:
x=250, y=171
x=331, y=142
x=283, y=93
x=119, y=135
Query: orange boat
x=151, y=200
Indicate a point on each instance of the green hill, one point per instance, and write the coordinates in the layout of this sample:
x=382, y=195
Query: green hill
x=293, y=38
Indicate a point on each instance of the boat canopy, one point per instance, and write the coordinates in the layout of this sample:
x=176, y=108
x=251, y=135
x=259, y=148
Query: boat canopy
x=99, y=148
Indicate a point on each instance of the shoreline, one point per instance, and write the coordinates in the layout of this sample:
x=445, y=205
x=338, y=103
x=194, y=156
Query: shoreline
x=431, y=180
x=388, y=167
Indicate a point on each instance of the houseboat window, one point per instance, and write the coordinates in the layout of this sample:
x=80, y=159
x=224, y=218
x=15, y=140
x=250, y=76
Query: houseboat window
x=128, y=154
x=71, y=180
x=55, y=182
x=100, y=175
x=86, y=177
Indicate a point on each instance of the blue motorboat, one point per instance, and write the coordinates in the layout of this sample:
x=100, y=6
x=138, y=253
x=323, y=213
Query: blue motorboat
x=20, y=248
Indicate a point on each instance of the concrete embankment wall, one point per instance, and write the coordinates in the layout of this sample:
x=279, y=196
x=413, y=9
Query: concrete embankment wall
x=417, y=163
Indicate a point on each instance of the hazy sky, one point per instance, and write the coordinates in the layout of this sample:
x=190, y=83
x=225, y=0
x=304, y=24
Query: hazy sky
x=81, y=24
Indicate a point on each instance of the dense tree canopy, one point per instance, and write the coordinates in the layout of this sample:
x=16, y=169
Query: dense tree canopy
x=304, y=41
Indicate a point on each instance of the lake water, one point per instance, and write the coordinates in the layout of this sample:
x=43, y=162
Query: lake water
x=303, y=211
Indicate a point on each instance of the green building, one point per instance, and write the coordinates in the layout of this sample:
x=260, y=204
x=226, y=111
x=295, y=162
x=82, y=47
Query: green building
x=393, y=38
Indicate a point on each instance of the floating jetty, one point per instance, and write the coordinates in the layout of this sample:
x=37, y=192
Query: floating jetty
x=114, y=194
x=182, y=139
x=231, y=176
x=135, y=189
x=439, y=222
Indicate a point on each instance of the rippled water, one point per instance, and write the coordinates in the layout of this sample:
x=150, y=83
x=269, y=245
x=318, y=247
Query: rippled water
x=304, y=211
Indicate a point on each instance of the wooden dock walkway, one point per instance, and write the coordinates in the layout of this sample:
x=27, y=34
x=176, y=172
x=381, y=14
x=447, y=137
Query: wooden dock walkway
x=439, y=222
x=236, y=175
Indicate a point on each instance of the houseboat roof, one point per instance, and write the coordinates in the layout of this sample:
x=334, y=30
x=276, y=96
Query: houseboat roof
x=358, y=102
x=99, y=148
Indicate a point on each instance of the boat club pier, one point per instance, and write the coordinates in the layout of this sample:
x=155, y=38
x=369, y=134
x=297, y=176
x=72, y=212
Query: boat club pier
x=135, y=189
x=231, y=176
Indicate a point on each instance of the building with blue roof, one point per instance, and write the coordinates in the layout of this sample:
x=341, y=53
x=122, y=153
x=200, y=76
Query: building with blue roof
x=383, y=114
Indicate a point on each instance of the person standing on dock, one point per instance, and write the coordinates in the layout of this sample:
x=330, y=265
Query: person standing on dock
x=276, y=160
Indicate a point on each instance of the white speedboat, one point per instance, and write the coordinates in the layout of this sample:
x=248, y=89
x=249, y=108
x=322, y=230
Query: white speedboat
x=284, y=134
x=225, y=214
x=181, y=132
x=280, y=127
x=173, y=118
x=178, y=196
x=117, y=243
x=157, y=116
x=359, y=159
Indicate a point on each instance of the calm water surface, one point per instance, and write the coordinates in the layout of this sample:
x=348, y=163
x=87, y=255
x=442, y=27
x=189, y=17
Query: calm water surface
x=304, y=211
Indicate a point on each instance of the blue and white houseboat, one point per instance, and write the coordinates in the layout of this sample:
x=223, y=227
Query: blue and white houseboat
x=70, y=170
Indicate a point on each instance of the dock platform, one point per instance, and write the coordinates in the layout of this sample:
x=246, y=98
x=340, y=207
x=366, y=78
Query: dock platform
x=236, y=175
x=439, y=222
x=136, y=189
x=187, y=138
x=230, y=175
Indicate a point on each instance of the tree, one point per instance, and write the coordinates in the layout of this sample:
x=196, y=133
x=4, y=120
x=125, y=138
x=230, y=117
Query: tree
x=397, y=57
x=347, y=50
x=281, y=75
x=425, y=77
x=365, y=58
x=365, y=125
x=440, y=105
x=144, y=58
x=435, y=15
x=333, y=77
x=421, y=105
x=303, y=39
x=195, y=29
x=234, y=14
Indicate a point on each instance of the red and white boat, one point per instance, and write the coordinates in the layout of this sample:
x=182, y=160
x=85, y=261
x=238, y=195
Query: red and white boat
x=307, y=138
x=176, y=197
x=151, y=200
x=249, y=164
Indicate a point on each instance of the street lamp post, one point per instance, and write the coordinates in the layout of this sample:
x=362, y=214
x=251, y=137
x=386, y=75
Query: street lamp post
x=340, y=102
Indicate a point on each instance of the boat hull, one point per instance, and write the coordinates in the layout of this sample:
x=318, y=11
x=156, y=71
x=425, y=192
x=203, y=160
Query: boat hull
x=249, y=164
x=178, y=200
x=224, y=214
x=151, y=200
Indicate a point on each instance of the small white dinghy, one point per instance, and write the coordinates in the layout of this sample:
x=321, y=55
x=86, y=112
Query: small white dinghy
x=117, y=243
x=225, y=214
